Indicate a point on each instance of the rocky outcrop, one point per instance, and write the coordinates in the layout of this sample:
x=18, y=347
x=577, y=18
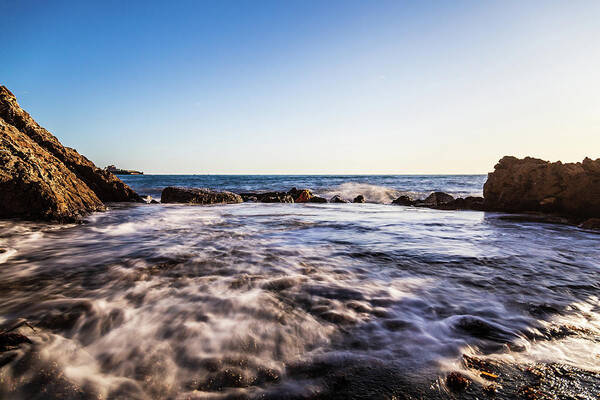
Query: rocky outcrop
x=403, y=201
x=435, y=199
x=41, y=179
x=105, y=185
x=198, y=196
x=592, y=223
x=531, y=184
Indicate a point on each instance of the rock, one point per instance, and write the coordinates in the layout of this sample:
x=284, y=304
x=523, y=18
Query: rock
x=268, y=197
x=105, y=185
x=337, y=199
x=457, y=382
x=12, y=340
x=592, y=223
x=198, y=196
x=303, y=197
x=359, y=199
x=317, y=199
x=403, y=201
x=41, y=179
x=435, y=199
x=467, y=203
x=531, y=184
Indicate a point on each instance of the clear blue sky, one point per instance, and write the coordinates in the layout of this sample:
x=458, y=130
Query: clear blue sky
x=306, y=86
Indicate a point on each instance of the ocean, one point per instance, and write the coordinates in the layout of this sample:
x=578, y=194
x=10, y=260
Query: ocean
x=301, y=301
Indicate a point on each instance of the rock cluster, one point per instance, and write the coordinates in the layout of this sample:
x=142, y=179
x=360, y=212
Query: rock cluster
x=442, y=201
x=42, y=179
x=292, y=196
x=198, y=196
x=531, y=184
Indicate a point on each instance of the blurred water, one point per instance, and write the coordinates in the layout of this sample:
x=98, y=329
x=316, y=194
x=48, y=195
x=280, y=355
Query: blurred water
x=286, y=301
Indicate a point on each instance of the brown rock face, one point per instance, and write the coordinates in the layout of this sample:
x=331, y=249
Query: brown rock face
x=104, y=184
x=198, y=196
x=531, y=184
x=41, y=179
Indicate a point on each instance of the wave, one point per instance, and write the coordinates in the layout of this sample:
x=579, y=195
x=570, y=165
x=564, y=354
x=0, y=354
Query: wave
x=373, y=193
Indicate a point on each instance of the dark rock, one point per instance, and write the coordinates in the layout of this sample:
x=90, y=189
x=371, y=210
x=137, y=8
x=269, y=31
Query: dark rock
x=457, y=382
x=268, y=197
x=301, y=196
x=467, y=203
x=592, y=223
x=359, y=199
x=403, y=201
x=42, y=179
x=435, y=199
x=337, y=199
x=531, y=184
x=198, y=196
x=317, y=199
x=12, y=340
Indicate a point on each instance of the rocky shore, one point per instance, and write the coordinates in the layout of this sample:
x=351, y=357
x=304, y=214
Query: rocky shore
x=42, y=179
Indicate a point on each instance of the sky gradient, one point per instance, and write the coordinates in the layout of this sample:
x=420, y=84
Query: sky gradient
x=309, y=87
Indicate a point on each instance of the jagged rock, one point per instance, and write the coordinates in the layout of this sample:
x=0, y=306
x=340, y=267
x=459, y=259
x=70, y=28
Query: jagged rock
x=403, y=201
x=36, y=185
x=435, y=199
x=359, y=199
x=105, y=185
x=337, y=199
x=531, y=184
x=592, y=223
x=467, y=203
x=198, y=196
x=317, y=199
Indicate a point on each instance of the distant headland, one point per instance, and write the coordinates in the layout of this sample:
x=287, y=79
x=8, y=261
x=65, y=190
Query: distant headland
x=118, y=171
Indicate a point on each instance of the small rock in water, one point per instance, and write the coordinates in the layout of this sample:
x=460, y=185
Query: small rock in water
x=437, y=199
x=197, y=196
x=457, y=382
x=403, y=201
x=303, y=196
x=337, y=199
x=11, y=340
x=359, y=199
x=317, y=199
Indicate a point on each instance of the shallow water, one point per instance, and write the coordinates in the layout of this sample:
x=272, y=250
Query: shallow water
x=296, y=301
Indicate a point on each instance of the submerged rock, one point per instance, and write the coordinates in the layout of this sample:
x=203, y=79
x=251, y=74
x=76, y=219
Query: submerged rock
x=42, y=179
x=359, y=199
x=198, y=196
x=531, y=184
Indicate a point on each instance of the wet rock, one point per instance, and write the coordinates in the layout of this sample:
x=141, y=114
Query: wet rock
x=359, y=199
x=337, y=199
x=403, y=201
x=226, y=378
x=531, y=184
x=42, y=179
x=592, y=223
x=457, y=382
x=435, y=199
x=12, y=340
x=268, y=197
x=317, y=199
x=302, y=196
x=198, y=196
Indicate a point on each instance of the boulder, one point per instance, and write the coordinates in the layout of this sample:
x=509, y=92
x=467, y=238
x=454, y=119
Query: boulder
x=403, y=201
x=106, y=186
x=592, y=223
x=359, y=199
x=531, y=184
x=198, y=196
x=467, y=203
x=337, y=199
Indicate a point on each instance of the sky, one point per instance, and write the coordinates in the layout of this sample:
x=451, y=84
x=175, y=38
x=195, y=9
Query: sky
x=308, y=87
